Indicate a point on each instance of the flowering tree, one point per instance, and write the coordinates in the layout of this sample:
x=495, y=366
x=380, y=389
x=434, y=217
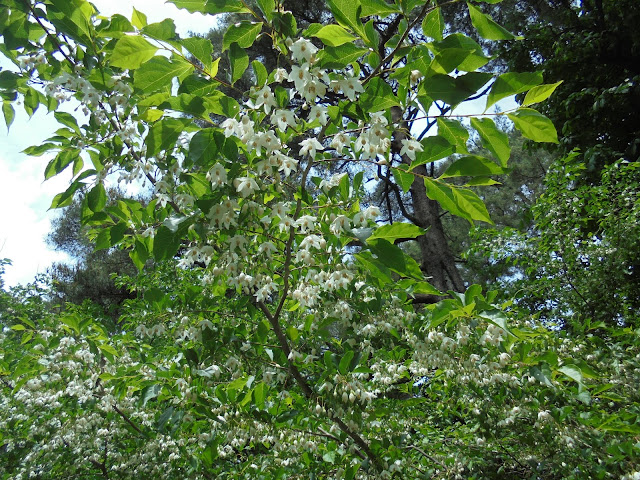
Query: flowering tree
x=282, y=332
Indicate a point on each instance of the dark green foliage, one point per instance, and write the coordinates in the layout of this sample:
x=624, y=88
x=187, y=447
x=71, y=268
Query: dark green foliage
x=509, y=203
x=594, y=47
x=578, y=265
x=91, y=276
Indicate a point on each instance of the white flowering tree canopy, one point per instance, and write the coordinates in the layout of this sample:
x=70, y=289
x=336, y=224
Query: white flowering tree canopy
x=275, y=334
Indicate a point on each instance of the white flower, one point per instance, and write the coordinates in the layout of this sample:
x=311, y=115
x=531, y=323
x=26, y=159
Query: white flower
x=362, y=142
x=287, y=164
x=410, y=147
x=303, y=49
x=245, y=186
x=313, y=89
x=231, y=127
x=318, y=112
x=309, y=147
x=265, y=98
x=350, y=86
x=279, y=75
x=267, y=248
x=283, y=118
x=300, y=76
x=378, y=118
x=237, y=242
x=217, y=175
x=305, y=223
x=371, y=213
x=544, y=416
x=339, y=141
x=268, y=141
x=340, y=224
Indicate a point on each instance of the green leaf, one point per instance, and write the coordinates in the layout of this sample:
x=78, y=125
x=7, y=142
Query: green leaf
x=65, y=198
x=118, y=25
x=117, y=232
x=242, y=33
x=433, y=148
x=68, y=120
x=259, y=394
x=425, y=288
x=539, y=93
x=460, y=52
x=38, y=150
x=108, y=349
x=571, y=371
x=138, y=19
x=433, y=24
x=202, y=49
x=403, y=178
x=131, y=52
x=159, y=72
x=149, y=393
x=61, y=161
x=329, y=457
x=481, y=182
x=196, y=85
x=191, y=104
x=454, y=133
x=204, y=147
x=512, y=83
x=285, y=23
x=347, y=13
x=395, y=258
x=267, y=7
x=139, y=255
x=222, y=105
x=260, y=72
x=328, y=361
x=534, y=125
x=31, y=101
x=237, y=384
x=396, y=231
x=378, y=96
x=334, y=35
x=9, y=113
x=239, y=61
x=164, y=30
x=374, y=268
x=454, y=90
x=73, y=17
x=372, y=40
x=97, y=198
x=486, y=26
x=165, y=244
x=378, y=7
x=493, y=139
x=459, y=201
x=345, y=362
x=164, y=134
x=472, y=166
x=211, y=7
x=340, y=57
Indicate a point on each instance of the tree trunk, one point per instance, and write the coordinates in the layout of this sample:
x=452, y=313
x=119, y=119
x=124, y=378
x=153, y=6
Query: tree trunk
x=438, y=262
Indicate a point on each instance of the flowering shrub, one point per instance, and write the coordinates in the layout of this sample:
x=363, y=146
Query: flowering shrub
x=279, y=334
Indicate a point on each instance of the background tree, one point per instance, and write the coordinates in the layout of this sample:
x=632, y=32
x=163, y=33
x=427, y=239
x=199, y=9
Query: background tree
x=594, y=47
x=91, y=275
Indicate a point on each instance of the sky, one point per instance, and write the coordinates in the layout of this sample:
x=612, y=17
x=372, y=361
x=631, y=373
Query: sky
x=24, y=197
